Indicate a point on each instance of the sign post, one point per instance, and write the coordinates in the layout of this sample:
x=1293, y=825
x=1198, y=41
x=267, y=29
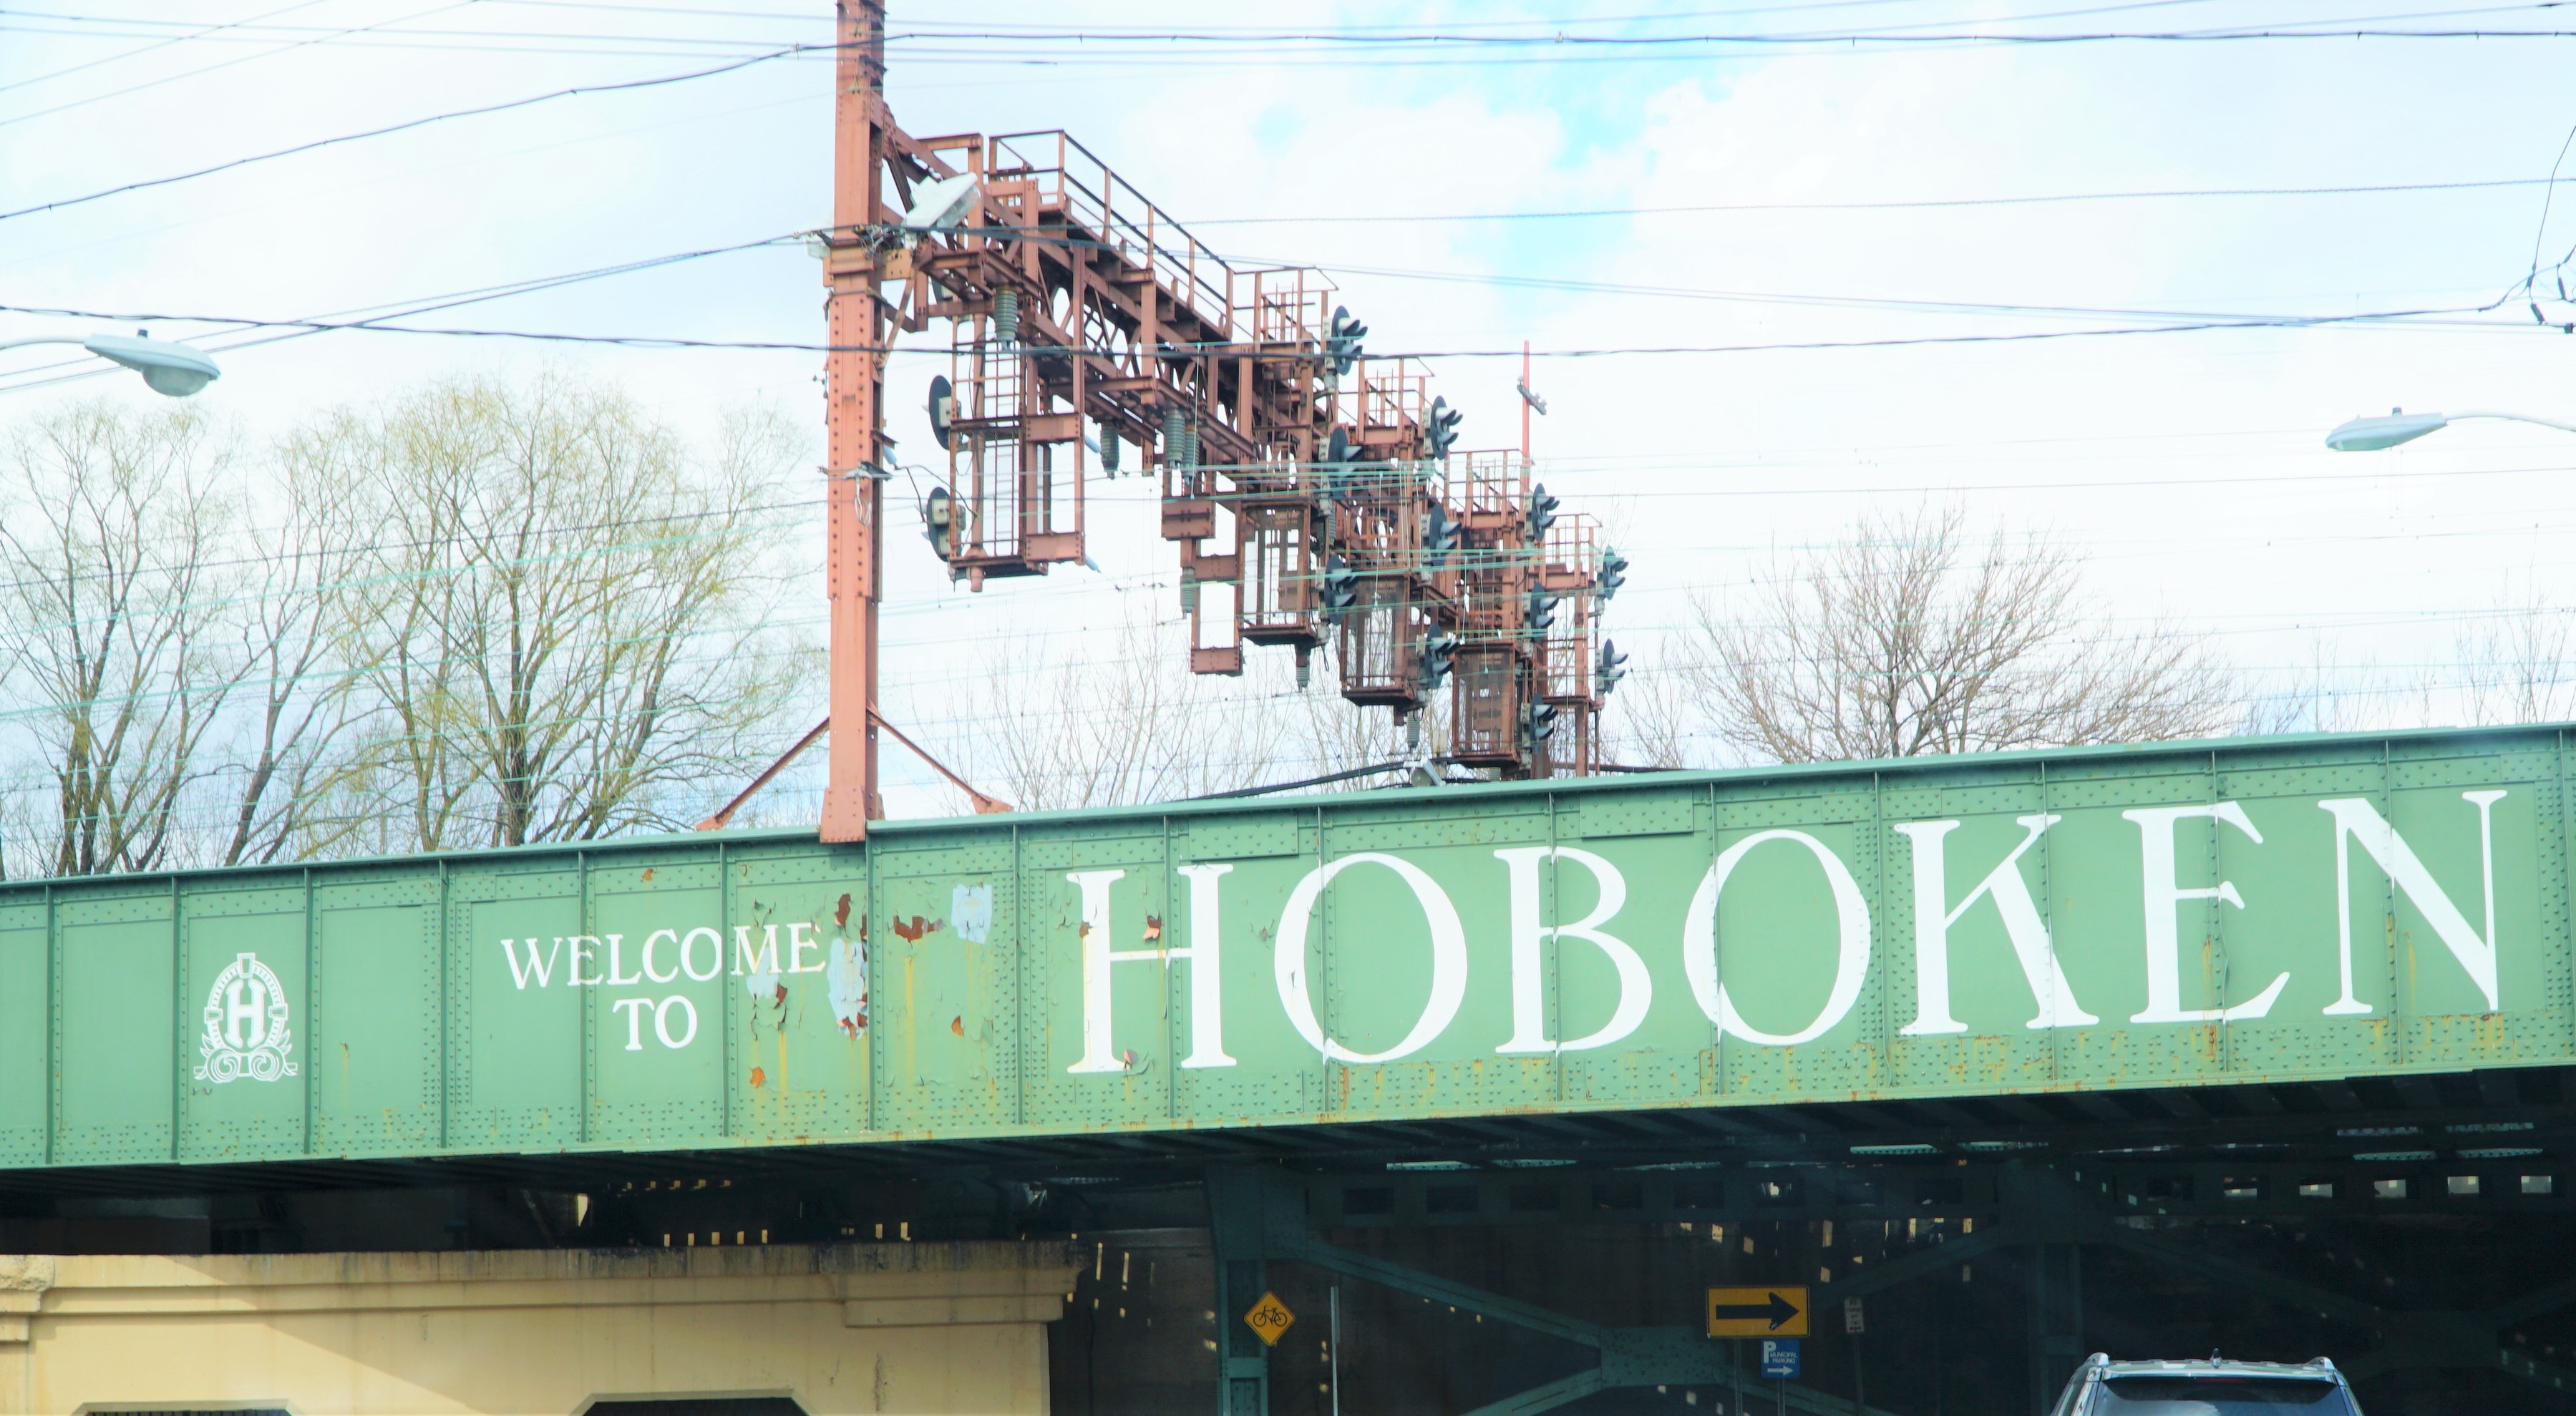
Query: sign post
x=1855, y=1325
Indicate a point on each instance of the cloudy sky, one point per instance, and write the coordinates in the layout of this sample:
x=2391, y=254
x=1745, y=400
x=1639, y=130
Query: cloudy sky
x=1841, y=190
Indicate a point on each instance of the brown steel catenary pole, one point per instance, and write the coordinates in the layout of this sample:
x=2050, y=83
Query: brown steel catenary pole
x=854, y=373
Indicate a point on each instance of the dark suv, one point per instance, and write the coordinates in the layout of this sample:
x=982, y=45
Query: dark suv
x=2216, y=1387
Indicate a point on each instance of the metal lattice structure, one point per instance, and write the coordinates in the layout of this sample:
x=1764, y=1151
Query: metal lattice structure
x=1310, y=489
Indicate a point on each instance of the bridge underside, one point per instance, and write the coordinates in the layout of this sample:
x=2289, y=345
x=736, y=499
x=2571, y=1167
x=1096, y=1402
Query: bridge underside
x=2303, y=1125
x=2416, y=1229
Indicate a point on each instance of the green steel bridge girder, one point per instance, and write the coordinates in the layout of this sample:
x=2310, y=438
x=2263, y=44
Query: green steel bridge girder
x=2281, y=910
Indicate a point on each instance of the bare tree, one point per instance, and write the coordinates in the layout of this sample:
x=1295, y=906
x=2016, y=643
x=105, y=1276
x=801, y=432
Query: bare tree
x=2517, y=666
x=1916, y=637
x=1121, y=724
x=563, y=611
x=1122, y=721
x=113, y=638
x=298, y=769
x=1647, y=722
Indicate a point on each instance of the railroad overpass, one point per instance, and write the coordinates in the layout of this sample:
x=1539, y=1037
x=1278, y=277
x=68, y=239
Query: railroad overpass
x=2258, y=1043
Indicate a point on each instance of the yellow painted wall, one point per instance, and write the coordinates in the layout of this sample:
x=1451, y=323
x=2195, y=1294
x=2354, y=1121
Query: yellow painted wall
x=931, y=1328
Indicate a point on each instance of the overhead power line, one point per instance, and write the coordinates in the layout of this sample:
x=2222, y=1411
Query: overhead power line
x=125, y=54
x=1545, y=31
x=409, y=124
x=1924, y=204
x=2383, y=319
x=421, y=305
x=217, y=32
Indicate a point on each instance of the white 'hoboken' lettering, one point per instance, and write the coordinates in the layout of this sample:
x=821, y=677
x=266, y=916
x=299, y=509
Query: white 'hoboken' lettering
x=2031, y=944
x=1529, y=998
x=2356, y=820
x=1448, y=958
x=2163, y=897
x=1851, y=954
x=1207, y=1012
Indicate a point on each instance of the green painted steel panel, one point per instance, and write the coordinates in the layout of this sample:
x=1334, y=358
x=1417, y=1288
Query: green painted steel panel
x=2265, y=910
x=375, y=1082
x=26, y=966
x=115, y=1074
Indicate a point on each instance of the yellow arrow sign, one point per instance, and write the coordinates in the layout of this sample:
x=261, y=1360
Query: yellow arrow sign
x=1757, y=1312
x=1270, y=1317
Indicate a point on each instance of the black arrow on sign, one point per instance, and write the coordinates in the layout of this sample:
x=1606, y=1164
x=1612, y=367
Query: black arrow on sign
x=1779, y=1310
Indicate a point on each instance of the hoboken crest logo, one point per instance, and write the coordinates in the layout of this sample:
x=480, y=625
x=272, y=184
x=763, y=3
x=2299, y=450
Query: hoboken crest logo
x=246, y=1033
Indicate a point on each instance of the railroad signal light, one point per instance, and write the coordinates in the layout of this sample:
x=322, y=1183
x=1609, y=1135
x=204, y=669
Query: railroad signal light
x=1439, y=653
x=943, y=408
x=1608, y=669
x=939, y=522
x=1542, y=513
x=1337, y=448
x=1440, y=430
x=1439, y=536
x=1542, y=609
x=1342, y=339
x=1341, y=589
x=1613, y=573
x=1539, y=719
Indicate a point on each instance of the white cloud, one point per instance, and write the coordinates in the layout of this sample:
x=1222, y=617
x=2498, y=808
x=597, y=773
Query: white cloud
x=1702, y=462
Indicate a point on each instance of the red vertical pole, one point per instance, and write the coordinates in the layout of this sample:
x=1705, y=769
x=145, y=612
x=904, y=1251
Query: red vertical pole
x=853, y=377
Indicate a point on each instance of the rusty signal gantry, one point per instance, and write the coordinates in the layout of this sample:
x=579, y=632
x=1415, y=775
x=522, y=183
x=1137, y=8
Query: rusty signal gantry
x=1312, y=490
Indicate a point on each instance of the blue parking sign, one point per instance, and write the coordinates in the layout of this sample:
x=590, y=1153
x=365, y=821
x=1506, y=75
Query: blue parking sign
x=1780, y=1358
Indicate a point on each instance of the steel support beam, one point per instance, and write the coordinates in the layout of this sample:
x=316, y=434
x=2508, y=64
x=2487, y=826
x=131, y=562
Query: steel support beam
x=1257, y=1217
x=1238, y=1221
x=1925, y=1261
x=1547, y=1396
x=2053, y=1324
x=854, y=394
x=2537, y=1372
x=2289, y=1292
x=2433, y=1338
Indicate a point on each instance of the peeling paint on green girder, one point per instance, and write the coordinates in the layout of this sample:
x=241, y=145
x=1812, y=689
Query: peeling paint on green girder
x=2270, y=910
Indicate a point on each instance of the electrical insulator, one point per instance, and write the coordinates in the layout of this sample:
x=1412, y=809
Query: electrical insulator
x=1006, y=318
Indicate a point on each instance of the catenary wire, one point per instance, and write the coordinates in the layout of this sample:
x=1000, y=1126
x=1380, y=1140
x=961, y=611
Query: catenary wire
x=226, y=64
x=1921, y=204
x=419, y=305
x=2380, y=319
x=407, y=125
x=123, y=55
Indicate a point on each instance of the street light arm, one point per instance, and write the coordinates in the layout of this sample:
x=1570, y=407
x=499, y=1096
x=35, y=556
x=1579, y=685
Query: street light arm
x=169, y=368
x=2400, y=426
x=2517, y=418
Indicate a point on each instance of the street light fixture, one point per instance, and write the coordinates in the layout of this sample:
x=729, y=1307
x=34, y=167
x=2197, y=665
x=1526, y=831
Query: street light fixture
x=2400, y=426
x=173, y=369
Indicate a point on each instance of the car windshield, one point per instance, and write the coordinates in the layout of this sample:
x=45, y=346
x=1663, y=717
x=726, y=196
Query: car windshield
x=2221, y=1394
